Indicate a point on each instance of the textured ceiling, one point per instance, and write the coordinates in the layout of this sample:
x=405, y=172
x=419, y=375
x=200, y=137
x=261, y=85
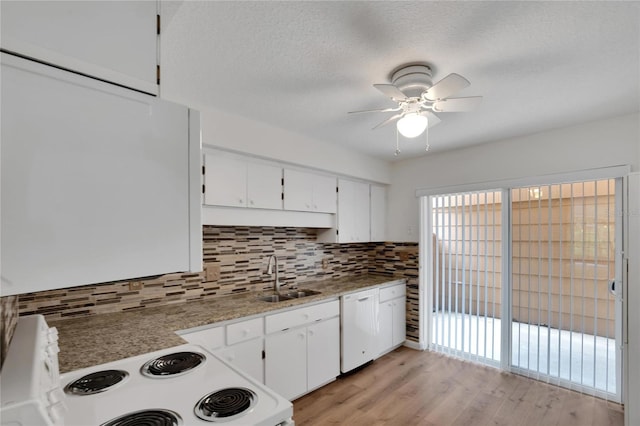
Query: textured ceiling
x=303, y=65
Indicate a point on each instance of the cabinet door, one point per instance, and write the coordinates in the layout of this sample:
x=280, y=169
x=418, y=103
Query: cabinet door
x=324, y=194
x=94, y=179
x=298, y=190
x=323, y=352
x=264, y=186
x=346, y=211
x=225, y=181
x=362, y=212
x=111, y=40
x=247, y=356
x=386, y=327
x=286, y=362
x=378, y=212
x=353, y=211
x=399, y=320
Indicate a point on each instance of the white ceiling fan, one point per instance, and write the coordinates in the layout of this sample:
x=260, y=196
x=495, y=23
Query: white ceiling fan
x=419, y=99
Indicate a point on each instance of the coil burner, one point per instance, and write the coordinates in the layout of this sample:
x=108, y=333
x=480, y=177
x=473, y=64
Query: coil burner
x=97, y=382
x=147, y=418
x=225, y=404
x=172, y=364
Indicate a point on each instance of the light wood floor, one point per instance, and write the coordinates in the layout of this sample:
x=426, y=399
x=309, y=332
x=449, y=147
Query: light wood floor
x=408, y=387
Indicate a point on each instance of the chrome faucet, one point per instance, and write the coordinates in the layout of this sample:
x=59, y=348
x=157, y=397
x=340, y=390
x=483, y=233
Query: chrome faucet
x=276, y=283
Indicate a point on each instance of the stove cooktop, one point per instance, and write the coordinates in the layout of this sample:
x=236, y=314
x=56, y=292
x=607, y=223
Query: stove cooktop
x=211, y=392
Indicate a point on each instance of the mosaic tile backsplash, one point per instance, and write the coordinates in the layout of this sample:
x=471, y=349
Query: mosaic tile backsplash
x=235, y=260
x=9, y=318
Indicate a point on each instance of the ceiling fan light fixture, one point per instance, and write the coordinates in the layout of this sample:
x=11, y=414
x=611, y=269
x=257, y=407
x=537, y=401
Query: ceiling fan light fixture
x=412, y=125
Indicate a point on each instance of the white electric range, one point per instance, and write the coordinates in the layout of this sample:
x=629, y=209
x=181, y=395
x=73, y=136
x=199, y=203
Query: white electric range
x=178, y=386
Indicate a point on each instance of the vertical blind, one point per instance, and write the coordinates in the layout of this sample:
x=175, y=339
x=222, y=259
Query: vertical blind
x=563, y=257
x=467, y=250
x=561, y=315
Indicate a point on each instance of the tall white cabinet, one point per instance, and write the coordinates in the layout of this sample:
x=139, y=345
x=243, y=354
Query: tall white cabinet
x=353, y=211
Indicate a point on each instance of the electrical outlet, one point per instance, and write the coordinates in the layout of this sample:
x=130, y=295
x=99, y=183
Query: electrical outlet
x=325, y=263
x=135, y=285
x=212, y=271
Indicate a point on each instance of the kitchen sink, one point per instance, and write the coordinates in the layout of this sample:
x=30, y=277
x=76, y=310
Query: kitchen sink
x=296, y=294
x=293, y=294
x=273, y=298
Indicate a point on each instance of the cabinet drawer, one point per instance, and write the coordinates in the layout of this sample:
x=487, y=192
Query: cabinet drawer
x=245, y=330
x=392, y=292
x=210, y=338
x=301, y=316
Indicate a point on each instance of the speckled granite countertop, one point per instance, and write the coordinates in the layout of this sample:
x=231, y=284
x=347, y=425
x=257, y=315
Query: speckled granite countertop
x=103, y=338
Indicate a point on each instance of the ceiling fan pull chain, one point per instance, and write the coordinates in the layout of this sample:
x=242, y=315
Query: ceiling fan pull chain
x=397, y=144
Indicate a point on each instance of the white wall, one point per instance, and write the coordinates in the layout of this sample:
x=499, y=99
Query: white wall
x=598, y=144
x=240, y=134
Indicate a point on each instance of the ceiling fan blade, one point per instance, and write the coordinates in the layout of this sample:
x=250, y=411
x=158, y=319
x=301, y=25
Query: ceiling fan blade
x=457, y=104
x=446, y=87
x=388, y=120
x=433, y=119
x=375, y=110
x=391, y=91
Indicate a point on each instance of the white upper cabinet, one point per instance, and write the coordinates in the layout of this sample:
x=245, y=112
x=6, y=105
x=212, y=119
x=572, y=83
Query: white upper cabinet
x=236, y=182
x=99, y=183
x=225, y=181
x=264, y=186
x=309, y=192
x=115, y=41
x=353, y=211
x=378, y=212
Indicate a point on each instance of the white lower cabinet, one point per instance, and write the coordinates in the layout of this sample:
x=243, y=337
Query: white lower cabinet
x=323, y=352
x=298, y=350
x=305, y=356
x=286, y=362
x=247, y=356
x=391, y=318
x=240, y=343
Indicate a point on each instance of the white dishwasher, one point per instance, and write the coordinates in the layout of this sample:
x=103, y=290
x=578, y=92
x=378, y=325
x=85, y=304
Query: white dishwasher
x=359, y=324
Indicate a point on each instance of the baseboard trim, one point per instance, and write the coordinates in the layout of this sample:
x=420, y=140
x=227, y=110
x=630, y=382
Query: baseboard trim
x=414, y=345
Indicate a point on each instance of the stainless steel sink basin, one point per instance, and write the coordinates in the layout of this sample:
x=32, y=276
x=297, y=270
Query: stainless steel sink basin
x=296, y=294
x=273, y=298
x=293, y=294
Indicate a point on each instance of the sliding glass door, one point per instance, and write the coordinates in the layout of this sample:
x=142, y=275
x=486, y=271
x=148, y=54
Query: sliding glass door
x=564, y=311
x=524, y=278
